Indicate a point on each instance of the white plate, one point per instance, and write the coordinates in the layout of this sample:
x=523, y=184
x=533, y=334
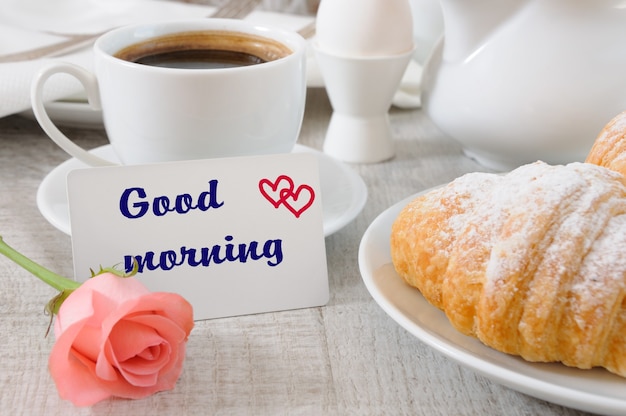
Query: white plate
x=343, y=191
x=594, y=390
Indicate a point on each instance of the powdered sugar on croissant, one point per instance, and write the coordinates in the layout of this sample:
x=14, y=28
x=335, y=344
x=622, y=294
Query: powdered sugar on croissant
x=532, y=263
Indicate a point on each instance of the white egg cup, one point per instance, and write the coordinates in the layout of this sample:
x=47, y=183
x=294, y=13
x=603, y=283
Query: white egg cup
x=360, y=90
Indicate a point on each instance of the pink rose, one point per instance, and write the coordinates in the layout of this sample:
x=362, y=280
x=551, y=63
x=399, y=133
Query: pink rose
x=116, y=338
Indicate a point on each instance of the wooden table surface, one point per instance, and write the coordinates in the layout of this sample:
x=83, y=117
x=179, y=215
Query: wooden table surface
x=347, y=357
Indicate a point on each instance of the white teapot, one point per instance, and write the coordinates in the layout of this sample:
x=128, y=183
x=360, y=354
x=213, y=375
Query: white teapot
x=515, y=81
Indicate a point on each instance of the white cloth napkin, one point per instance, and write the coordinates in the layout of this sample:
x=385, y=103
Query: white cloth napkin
x=25, y=24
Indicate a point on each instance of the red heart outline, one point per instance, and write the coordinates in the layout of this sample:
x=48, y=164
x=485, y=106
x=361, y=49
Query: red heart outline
x=287, y=195
x=275, y=189
x=281, y=192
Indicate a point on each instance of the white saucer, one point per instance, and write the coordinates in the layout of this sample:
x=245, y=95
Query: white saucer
x=343, y=191
x=596, y=391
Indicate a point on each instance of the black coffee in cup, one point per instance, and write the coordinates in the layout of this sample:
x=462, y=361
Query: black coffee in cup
x=204, y=50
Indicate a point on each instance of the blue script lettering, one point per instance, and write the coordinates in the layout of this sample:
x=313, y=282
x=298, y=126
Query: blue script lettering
x=271, y=250
x=133, y=203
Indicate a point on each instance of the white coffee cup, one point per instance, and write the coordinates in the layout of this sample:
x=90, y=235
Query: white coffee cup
x=156, y=114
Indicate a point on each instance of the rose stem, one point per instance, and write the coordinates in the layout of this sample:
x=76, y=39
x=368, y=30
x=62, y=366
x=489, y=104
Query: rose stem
x=56, y=281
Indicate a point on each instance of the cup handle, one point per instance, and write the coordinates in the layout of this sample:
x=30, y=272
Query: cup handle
x=88, y=80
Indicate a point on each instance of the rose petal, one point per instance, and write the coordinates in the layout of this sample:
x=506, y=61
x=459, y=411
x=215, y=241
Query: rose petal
x=109, y=360
x=171, y=306
x=128, y=341
x=147, y=377
x=166, y=379
x=73, y=376
x=76, y=309
x=119, y=289
x=163, y=325
x=128, y=338
x=88, y=341
x=111, y=291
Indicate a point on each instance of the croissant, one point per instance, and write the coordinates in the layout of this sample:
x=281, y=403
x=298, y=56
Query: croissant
x=532, y=263
x=609, y=148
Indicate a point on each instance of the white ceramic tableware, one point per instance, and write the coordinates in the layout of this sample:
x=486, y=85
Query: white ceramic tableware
x=363, y=48
x=360, y=91
x=155, y=114
x=517, y=81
